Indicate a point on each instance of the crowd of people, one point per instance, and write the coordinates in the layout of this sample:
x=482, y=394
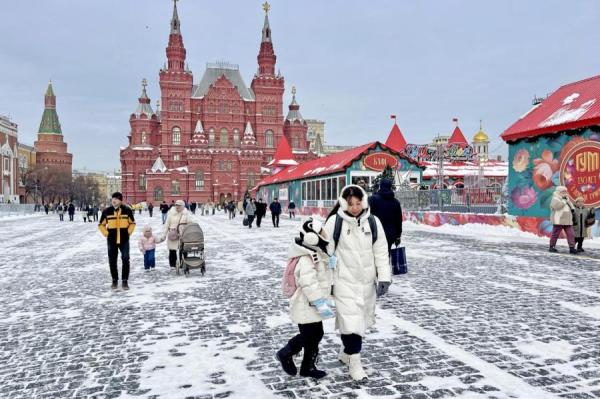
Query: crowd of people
x=336, y=268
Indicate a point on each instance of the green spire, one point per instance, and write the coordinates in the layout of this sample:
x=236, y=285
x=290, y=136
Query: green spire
x=49, y=91
x=50, y=123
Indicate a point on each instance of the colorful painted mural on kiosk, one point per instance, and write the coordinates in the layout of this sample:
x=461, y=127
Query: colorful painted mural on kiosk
x=539, y=165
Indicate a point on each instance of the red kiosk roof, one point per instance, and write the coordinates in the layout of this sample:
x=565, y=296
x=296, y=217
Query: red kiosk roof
x=396, y=140
x=457, y=137
x=324, y=166
x=572, y=106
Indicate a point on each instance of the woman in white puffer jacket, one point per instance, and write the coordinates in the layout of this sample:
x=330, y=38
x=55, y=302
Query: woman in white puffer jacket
x=309, y=304
x=362, y=272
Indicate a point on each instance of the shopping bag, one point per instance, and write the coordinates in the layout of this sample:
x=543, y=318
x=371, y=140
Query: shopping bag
x=245, y=221
x=398, y=260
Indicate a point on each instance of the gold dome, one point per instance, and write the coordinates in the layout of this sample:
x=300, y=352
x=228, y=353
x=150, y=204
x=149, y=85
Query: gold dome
x=480, y=136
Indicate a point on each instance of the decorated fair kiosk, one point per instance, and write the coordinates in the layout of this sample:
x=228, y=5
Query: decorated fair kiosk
x=314, y=185
x=556, y=143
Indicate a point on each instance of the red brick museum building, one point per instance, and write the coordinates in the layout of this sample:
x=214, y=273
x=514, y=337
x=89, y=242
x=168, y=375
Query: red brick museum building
x=211, y=140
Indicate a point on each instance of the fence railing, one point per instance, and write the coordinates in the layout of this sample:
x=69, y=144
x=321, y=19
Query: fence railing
x=461, y=200
x=16, y=209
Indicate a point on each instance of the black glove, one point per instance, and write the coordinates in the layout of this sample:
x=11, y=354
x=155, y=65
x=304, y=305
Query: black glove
x=382, y=288
x=397, y=242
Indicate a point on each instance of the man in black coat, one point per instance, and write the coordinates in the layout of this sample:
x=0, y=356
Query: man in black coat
x=387, y=208
x=261, y=211
x=275, y=209
x=164, y=209
x=71, y=211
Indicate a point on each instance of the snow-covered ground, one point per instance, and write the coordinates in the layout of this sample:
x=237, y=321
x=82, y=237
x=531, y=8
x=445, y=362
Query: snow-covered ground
x=483, y=313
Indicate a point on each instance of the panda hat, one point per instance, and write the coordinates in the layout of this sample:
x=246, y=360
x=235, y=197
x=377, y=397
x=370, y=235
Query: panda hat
x=310, y=237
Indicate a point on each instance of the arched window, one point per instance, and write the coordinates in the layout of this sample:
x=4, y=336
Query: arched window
x=224, y=138
x=269, y=139
x=144, y=137
x=221, y=165
x=176, y=137
x=175, y=187
x=199, y=180
x=211, y=136
x=158, y=194
x=236, y=137
x=229, y=165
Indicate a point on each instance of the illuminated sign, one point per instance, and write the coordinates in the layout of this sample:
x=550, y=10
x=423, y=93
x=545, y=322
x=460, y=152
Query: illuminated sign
x=378, y=161
x=580, y=172
x=452, y=152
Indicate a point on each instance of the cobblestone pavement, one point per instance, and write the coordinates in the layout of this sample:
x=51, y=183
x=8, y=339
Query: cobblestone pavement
x=472, y=319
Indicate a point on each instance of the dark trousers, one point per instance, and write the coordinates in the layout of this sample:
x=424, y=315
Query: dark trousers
x=61, y=217
x=309, y=337
x=96, y=216
x=150, y=212
x=71, y=217
x=292, y=214
x=275, y=220
x=556, y=230
x=352, y=343
x=172, y=257
x=250, y=220
x=579, y=242
x=149, y=259
x=258, y=220
x=113, y=254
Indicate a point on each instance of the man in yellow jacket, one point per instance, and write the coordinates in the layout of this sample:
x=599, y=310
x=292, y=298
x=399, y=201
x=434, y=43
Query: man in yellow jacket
x=117, y=225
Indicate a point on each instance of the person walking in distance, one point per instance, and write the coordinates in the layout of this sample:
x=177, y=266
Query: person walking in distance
x=275, y=208
x=117, y=224
x=261, y=211
x=150, y=209
x=250, y=211
x=177, y=218
x=561, y=216
x=292, y=209
x=164, y=209
x=388, y=210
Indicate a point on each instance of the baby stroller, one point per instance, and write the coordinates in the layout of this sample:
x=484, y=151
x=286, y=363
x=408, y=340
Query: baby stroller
x=191, y=249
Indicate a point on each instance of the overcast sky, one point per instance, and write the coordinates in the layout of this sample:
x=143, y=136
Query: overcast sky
x=354, y=62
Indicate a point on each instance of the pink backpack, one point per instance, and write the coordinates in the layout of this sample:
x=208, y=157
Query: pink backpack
x=288, y=285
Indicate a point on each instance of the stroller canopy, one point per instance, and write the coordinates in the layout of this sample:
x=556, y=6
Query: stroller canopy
x=192, y=233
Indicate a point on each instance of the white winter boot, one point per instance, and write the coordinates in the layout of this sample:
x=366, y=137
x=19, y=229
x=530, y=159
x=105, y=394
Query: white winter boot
x=356, y=370
x=343, y=356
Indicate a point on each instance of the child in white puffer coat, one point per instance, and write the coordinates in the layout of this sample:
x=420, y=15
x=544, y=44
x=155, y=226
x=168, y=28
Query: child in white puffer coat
x=310, y=304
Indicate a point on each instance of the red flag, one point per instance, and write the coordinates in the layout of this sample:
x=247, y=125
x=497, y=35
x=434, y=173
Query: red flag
x=454, y=119
x=393, y=117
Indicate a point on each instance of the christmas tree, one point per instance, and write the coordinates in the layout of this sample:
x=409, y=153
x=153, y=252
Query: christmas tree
x=387, y=173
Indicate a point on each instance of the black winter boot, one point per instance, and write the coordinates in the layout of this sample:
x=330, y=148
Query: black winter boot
x=115, y=284
x=286, y=356
x=553, y=249
x=125, y=285
x=308, y=367
x=572, y=250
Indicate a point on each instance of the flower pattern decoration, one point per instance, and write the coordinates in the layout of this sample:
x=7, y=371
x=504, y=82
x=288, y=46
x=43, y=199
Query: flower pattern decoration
x=521, y=160
x=544, y=170
x=523, y=197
